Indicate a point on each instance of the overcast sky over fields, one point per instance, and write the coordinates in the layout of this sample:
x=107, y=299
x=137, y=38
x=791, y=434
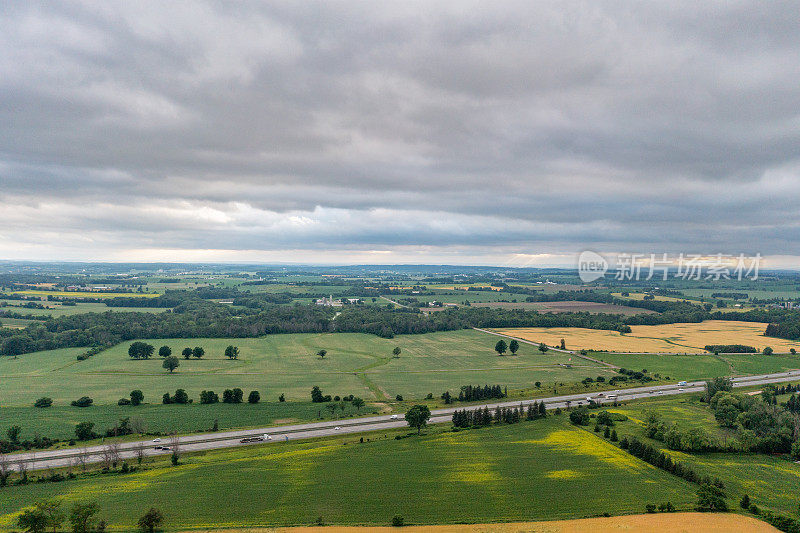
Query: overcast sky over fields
x=383, y=132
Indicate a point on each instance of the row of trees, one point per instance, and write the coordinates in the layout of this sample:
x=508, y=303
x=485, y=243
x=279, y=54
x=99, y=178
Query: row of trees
x=143, y=350
x=476, y=393
x=49, y=514
x=466, y=418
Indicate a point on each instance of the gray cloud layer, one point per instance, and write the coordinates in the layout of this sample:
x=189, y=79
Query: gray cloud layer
x=448, y=129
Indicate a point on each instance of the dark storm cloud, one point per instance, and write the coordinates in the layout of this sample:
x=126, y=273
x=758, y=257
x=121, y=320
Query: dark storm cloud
x=516, y=127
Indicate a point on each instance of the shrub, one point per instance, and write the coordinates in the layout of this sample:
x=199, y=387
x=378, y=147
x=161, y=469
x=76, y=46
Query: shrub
x=43, y=402
x=208, y=396
x=579, y=416
x=123, y=401
x=397, y=521
x=254, y=397
x=83, y=401
x=180, y=397
x=399, y=397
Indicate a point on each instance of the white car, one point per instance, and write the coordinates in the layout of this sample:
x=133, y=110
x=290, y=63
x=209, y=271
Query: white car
x=156, y=440
x=337, y=428
x=680, y=390
x=660, y=392
x=393, y=417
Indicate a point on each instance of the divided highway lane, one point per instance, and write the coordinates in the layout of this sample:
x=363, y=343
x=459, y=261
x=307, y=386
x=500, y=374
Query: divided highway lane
x=227, y=439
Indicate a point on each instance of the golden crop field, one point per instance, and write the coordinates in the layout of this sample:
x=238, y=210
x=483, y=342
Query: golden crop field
x=665, y=338
x=87, y=294
x=649, y=523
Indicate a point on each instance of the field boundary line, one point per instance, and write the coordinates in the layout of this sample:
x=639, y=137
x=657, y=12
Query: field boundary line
x=577, y=354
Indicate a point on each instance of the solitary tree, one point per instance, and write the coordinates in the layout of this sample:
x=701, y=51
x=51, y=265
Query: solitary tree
x=84, y=430
x=513, y=347
x=543, y=347
x=137, y=396
x=563, y=345
x=501, y=347
x=13, y=434
x=322, y=353
x=187, y=353
x=396, y=351
x=198, y=352
x=151, y=520
x=81, y=516
x=254, y=397
x=171, y=363
x=767, y=350
x=418, y=416
x=165, y=351
x=232, y=352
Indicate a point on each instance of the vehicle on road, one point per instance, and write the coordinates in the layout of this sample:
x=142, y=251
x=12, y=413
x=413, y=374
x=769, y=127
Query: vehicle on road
x=156, y=440
x=680, y=390
x=257, y=438
x=681, y=383
x=393, y=417
x=337, y=428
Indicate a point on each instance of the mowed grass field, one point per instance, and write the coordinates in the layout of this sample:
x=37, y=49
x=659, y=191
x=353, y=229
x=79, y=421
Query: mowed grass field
x=539, y=470
x=356, y=363
x=665, y=338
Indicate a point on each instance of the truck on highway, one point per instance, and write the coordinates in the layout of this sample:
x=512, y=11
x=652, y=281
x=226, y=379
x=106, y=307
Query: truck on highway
x=681, y=383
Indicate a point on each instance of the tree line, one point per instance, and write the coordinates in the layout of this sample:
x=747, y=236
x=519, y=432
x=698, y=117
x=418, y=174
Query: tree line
x=202, y=318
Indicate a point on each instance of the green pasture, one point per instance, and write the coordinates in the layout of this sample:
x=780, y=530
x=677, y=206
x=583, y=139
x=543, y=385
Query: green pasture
x=356, y=363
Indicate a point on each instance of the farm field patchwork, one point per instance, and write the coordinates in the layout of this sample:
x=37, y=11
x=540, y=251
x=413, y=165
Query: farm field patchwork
x=665, y=338
x=498, y=474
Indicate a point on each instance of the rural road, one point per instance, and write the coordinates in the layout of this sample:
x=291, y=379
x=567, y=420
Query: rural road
x=227, y=439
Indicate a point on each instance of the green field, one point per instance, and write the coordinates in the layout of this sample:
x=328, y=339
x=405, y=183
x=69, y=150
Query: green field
x=699, y=366
x=770, y=481
x=356, y=363
x=85, y=294
x=55, y=309
x=59, y=421
x=537, y=470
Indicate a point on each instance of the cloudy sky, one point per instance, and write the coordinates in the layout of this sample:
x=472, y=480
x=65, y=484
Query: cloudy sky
x=380, y=132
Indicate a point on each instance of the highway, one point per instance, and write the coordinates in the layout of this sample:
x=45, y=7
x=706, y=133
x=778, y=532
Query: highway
x=77, y=457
